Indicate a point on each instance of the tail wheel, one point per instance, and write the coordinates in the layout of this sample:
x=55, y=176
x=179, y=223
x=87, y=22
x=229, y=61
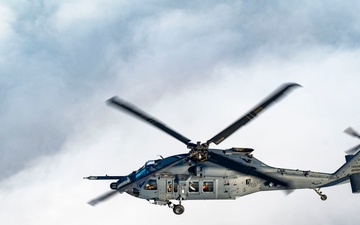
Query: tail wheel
x=178, y=209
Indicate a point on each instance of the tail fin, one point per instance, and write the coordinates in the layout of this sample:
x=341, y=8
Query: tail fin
x=351, y=169
x=352, y=166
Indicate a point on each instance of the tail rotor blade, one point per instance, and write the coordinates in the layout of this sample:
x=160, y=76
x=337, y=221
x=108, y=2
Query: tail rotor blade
x=353, y=150
x=352, y=132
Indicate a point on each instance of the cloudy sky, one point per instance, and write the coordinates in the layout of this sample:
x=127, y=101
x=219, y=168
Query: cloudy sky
x=196, y=65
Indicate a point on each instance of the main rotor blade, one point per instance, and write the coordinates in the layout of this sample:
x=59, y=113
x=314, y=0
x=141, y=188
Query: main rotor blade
x=352, y=132
x=239, y=167
x=116, y=101
x=217, y=139
x=102, y=198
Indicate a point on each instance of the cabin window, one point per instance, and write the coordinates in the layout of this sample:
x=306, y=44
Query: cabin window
x=194, y=186
x=208, y=186
x=169, y=186
x=151, y=185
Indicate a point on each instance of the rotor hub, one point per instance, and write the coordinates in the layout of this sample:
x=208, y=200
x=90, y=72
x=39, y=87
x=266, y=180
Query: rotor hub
x=199, y=152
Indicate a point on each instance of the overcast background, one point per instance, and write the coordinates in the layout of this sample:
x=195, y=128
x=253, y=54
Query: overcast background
x=197, y=66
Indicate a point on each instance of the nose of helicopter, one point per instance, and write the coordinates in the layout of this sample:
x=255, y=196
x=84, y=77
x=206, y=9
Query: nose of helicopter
x=120, y=183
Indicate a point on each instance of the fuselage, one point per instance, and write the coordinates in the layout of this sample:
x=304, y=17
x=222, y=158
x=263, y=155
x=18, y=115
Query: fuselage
x=190, y=180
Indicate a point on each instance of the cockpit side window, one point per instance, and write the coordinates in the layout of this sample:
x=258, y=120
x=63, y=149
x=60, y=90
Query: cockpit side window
x=151, y=185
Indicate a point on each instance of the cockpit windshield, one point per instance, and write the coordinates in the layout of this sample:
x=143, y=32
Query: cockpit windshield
x=150, y=163
x=140, y=172
x=144, y=170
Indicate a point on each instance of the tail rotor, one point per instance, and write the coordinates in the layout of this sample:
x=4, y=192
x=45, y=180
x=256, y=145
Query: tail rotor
x=350, y=131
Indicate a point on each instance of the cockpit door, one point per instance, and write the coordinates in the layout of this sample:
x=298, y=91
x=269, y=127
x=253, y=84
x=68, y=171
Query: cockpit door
x=168, y=189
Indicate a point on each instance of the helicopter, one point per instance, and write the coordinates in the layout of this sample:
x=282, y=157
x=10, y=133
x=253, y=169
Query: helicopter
x=205, y=173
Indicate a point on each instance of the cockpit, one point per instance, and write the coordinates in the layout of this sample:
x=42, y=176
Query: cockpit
x=151, y=185
x=145, y=169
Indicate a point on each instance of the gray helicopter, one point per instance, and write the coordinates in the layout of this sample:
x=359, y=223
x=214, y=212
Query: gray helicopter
x=205, y=173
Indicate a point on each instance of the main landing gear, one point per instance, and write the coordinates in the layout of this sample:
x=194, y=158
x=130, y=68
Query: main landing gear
x=322, y=196
x=177, y=209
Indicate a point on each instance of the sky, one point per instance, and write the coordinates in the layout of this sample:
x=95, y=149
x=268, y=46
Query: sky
x=197, y=66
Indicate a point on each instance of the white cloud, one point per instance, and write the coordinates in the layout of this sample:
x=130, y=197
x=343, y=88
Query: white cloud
x=77, y=15
x=7, y=20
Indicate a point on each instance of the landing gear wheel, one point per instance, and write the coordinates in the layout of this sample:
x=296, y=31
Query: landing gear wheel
x=323, y=197
x=178, y=209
